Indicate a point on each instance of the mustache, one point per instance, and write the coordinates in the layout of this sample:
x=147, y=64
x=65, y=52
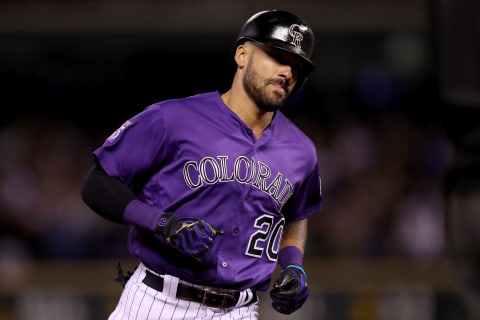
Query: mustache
x=279, y=81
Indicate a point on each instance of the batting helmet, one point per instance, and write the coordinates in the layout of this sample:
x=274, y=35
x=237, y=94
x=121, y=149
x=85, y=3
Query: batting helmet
x=282, y=30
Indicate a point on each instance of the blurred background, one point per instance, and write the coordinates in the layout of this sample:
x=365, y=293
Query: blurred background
x=71, y=72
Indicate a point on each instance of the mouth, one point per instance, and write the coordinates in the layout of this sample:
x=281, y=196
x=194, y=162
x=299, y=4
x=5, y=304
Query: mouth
x=279, y=85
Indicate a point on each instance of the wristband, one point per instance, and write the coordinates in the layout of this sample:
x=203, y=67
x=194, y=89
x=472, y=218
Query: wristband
x=290, y=255
x=142, y=215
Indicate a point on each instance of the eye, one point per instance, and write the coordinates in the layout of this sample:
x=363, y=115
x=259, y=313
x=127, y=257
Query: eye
x=296, y=65
x=286, y=58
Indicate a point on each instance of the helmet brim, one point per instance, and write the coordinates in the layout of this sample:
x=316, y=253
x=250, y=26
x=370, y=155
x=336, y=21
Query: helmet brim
x=309, y=66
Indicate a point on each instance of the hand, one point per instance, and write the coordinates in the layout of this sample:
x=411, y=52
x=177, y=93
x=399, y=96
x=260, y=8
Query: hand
x=190, y=236
x=290, y=290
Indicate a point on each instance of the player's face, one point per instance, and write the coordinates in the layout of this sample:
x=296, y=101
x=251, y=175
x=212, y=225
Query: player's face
x=270, y=76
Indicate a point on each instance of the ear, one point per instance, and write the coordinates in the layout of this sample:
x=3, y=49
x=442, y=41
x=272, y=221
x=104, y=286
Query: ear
x=241, y=55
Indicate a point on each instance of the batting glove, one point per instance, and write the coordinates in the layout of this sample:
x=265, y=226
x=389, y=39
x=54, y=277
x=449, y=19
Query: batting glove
x=290, y=290
x=191, y=236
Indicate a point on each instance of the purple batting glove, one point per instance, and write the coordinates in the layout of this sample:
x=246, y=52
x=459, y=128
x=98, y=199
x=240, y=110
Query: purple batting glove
x=191, y=236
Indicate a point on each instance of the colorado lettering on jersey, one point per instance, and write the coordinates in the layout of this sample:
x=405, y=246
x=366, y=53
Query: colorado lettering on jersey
x=210, y=170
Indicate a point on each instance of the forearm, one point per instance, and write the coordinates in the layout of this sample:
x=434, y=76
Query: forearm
x=113, y=200
x=293, y=243
x=295, y=234
x=290, y=289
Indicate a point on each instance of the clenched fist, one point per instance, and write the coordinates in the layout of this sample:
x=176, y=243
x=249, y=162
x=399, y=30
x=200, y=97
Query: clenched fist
x=190, y=236
x=290, y=290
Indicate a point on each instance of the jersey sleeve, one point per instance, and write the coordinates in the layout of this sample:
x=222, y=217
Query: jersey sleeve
x=307, y=199
x=134, y=148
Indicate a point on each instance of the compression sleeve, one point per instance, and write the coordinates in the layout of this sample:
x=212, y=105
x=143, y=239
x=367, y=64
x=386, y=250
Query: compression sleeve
x=106, y=195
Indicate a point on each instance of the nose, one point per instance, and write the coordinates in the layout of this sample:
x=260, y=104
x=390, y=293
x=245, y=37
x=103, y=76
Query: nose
x=286, y=72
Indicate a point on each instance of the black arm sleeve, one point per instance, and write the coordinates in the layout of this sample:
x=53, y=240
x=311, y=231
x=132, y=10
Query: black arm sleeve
x=106, y=195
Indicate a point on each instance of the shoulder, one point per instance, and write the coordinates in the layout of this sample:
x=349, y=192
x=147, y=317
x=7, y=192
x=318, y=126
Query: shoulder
x=198, y=100
x=289, y=131
x=187, y=111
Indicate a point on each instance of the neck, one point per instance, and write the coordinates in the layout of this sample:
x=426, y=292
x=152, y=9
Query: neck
x=248, y=111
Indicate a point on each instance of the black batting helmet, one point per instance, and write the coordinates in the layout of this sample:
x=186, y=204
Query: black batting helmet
x=282, y=30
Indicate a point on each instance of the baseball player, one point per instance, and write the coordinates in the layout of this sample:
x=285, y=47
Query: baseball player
x=216, y=187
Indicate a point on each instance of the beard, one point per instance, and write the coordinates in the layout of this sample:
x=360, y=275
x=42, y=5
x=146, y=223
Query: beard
x=256, y=88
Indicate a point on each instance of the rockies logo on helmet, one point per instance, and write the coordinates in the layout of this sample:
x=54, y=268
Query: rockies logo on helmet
x=297, y=36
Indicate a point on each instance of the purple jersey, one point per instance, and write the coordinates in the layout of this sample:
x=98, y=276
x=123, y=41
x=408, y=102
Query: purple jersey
x=195, y=157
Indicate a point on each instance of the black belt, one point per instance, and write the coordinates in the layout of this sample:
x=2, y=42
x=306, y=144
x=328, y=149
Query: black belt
x=213, y=298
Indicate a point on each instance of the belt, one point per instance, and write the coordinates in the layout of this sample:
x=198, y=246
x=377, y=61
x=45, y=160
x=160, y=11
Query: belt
x=209, y=297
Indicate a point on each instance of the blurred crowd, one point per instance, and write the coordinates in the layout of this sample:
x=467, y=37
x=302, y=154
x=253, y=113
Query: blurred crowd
x=42, y=216
x=381, y=185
